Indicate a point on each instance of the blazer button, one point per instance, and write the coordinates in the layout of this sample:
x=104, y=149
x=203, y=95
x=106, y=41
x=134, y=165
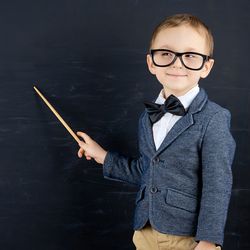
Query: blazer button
x=156, y=160
x=153, y=190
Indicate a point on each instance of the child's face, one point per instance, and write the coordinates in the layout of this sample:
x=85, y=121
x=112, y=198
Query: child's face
x=177, y=79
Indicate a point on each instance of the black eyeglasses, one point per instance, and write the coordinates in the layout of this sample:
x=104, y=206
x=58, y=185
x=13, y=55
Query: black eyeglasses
x=190, y=60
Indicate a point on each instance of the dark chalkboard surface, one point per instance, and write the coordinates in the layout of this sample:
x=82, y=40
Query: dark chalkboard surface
x=88, y=58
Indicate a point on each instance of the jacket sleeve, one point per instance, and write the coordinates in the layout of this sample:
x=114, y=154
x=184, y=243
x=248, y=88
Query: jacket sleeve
x=123, y=168
x=217, y=153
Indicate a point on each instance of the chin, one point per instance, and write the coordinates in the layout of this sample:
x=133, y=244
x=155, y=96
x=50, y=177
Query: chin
x=176, y=89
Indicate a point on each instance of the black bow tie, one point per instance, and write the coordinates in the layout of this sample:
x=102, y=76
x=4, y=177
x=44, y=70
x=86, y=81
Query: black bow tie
x=171, y=105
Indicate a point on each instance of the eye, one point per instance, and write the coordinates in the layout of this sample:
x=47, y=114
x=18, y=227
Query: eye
x=166, y=54
x=192, y=56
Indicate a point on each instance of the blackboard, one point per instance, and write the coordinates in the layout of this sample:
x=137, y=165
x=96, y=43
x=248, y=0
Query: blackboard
x=88, y=58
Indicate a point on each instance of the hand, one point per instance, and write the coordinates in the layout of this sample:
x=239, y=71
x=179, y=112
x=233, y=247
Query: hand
x=205, y=245
x=91, y=149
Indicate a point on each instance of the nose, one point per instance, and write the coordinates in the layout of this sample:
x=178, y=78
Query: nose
x=177, y=63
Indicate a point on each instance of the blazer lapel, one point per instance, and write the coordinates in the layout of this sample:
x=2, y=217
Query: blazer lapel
x=180, y=126
x=185, y=122
x=147, y=133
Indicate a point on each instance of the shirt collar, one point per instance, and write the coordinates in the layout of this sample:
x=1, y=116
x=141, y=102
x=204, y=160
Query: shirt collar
x=184, y=99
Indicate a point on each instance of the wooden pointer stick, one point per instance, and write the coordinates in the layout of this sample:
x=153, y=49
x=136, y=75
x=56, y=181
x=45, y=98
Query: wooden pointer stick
x=58, y=116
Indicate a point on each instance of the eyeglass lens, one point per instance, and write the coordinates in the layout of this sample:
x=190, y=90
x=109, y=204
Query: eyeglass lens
x=190, y=60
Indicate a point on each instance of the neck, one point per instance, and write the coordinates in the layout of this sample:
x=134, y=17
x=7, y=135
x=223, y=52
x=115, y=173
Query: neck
x=167, y=92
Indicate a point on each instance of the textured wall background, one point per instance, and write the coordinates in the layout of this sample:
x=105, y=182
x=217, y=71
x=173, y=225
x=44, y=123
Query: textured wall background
x=88, y=58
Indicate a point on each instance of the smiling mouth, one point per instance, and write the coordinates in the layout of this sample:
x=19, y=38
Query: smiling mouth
x=176, y=75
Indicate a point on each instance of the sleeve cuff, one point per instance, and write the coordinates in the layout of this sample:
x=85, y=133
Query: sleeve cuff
x=108, y=165
x=216, y=239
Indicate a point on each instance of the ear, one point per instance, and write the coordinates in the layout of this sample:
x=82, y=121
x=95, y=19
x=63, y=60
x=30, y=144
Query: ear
x=151, y=66
x=207, y=68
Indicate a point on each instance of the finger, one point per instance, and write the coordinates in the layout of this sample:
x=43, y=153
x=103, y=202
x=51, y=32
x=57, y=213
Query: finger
x=88, y=157
x=86, y=154
x=82, y=145
x=80, y=152
x=84, y=136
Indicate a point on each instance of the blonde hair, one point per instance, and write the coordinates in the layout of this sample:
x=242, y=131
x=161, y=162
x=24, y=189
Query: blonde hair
x=188, y=19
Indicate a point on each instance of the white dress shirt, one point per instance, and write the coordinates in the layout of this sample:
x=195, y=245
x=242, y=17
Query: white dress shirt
x=163, y=126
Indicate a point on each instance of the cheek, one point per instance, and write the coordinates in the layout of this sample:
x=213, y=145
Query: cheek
x=194, y=77
x=160, y=75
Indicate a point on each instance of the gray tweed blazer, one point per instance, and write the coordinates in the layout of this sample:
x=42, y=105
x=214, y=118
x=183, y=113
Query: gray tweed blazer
x=185, y=185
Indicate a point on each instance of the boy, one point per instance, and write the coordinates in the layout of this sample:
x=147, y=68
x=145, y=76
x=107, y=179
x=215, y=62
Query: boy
x=186, y=148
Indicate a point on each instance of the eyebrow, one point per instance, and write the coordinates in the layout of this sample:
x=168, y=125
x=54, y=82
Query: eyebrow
x=169, y=47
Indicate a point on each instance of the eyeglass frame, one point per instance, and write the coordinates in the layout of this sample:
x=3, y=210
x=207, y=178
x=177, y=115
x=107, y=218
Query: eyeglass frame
x=179, y=55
